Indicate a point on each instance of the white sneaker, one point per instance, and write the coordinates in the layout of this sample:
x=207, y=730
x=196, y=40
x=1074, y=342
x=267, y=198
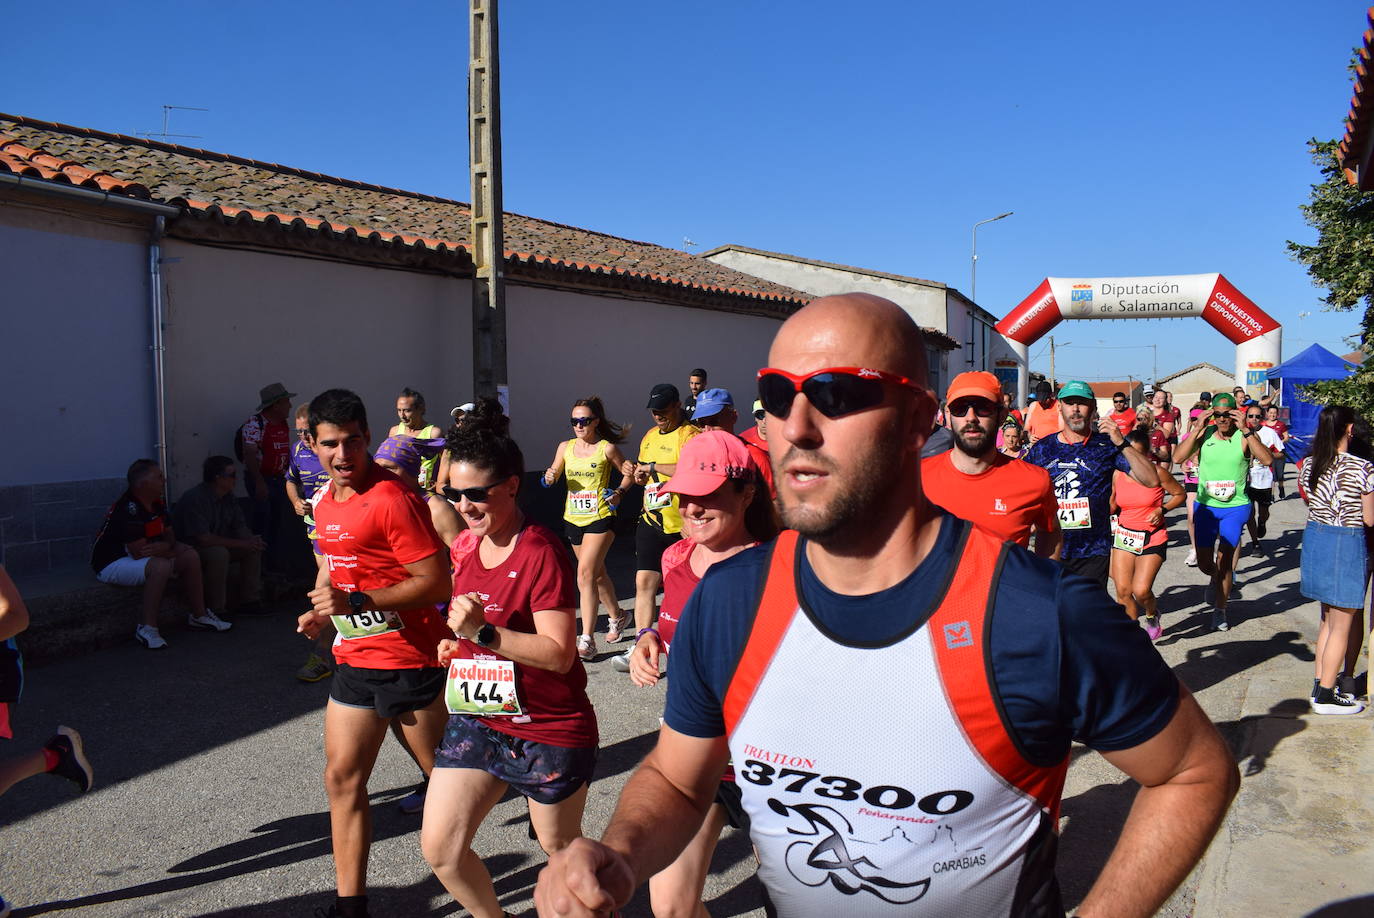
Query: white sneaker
x=1191, y=560
x=586, y=647
x=149, y=637
x=621, y=661
x=1219, y=622
x=207, y=622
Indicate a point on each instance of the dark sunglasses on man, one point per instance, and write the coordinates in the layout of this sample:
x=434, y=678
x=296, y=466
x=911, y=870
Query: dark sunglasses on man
x=833, y=391
x=981, y=407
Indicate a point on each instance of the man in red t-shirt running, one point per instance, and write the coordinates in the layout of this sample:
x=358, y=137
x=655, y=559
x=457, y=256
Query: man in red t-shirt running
x=1123, y=416
x=1006, y=496
x=387, y=573
x=756, y=438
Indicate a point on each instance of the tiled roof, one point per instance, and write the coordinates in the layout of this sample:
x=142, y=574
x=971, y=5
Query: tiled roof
x=237, y=190
x=1355, y=147
x=1354, y=358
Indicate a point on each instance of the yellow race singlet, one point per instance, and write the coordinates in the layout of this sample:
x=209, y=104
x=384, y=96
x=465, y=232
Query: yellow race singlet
x=661, y=510
x=587, y=480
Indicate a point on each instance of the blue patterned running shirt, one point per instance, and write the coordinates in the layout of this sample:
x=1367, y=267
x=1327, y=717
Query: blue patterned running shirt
x=1082, y=475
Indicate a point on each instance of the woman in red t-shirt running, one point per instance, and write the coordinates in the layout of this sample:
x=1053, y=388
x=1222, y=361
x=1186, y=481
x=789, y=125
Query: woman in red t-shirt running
x=516, y=690
x=725, y=509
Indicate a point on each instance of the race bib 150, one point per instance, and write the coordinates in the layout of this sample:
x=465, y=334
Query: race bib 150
x=370, y=623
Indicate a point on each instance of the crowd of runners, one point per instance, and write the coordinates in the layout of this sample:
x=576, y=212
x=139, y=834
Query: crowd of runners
x=825, y=554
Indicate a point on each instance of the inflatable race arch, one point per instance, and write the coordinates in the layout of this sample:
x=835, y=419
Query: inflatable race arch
x=1258, y=338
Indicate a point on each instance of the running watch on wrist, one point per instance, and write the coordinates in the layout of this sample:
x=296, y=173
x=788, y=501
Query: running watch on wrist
x=357, y=601
x=485, y=635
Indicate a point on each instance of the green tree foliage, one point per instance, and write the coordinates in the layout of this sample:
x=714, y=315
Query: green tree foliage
x=1342, y=261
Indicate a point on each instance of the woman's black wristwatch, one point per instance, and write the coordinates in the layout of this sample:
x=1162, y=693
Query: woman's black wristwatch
x=485, y=635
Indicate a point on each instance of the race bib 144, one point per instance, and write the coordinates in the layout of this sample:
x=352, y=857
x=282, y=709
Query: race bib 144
x=484, y=688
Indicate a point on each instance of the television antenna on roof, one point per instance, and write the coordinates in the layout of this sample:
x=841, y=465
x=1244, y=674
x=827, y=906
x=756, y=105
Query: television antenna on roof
x=166, y=117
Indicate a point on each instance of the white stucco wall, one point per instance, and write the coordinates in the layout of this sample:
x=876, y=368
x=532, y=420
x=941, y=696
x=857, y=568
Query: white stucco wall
x=1187, y=386
x=75, y=369
x=240, y=320
x=924, y=302
x=930, y=304
x=565, y=346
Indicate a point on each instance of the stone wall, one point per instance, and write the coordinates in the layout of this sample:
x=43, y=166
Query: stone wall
x=46, y=527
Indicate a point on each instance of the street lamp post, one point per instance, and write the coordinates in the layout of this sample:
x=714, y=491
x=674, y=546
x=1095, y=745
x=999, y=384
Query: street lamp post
x=973, y=277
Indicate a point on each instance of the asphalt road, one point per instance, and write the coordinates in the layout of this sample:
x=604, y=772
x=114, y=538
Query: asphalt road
x=208, y=759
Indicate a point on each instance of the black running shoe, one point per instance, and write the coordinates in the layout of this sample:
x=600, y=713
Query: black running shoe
x=1329, y=701
x=71, y=758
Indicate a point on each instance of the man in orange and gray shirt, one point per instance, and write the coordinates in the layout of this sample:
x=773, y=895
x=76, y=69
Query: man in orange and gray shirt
x=1008, y=497
x=1042, y=418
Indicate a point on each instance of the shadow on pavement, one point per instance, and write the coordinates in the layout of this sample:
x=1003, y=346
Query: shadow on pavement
x=1207, y=666
x=1361, y=907
x=282, y=842
x=388, y=900
x=1095, y=820
x=1241, y=734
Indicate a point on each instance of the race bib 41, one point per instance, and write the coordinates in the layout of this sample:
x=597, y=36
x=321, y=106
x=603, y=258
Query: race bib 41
x=1074, y=513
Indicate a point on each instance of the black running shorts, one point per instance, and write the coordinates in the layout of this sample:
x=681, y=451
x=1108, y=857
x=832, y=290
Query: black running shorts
x=389, y=692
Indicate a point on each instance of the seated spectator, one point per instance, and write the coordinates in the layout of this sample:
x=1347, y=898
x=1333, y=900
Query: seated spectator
x=137, y=547
x=209, y=517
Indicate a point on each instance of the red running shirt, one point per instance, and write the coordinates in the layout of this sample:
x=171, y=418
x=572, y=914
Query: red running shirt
x=536, y=577
x=1007, y=500
x=367, y=541
x=1124, y=420
x=679, y=580
x=1042, y=422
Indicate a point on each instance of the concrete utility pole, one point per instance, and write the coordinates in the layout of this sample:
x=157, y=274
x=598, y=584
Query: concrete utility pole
x=488, y=237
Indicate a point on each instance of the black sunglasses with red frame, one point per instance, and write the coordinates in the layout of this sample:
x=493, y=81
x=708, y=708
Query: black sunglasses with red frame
x=834, y=391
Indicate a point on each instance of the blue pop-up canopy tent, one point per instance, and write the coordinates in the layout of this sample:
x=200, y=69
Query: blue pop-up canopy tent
x=1315, y=363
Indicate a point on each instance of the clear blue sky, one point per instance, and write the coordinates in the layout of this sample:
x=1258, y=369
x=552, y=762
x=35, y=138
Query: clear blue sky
x=1129, y=139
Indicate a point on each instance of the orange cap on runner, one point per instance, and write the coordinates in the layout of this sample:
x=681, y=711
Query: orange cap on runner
x=976, y=383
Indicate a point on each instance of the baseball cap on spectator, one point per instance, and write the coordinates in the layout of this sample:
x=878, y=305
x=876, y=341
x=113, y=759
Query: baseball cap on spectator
x=711, y=402
x=758, y=409
x=1076, y=388
x=269, y=394
x=461, y=409
x=707, y=461
x=662, y=395
x=1206, y=397
x=975, y=384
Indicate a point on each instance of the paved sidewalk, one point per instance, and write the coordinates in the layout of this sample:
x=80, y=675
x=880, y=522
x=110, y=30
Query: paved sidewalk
x=1300, y=838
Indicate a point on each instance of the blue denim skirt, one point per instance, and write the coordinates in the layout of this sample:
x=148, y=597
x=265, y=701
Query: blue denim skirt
x=1333, y=564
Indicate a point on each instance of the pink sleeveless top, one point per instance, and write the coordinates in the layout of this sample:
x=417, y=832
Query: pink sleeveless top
x=1137, y=502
